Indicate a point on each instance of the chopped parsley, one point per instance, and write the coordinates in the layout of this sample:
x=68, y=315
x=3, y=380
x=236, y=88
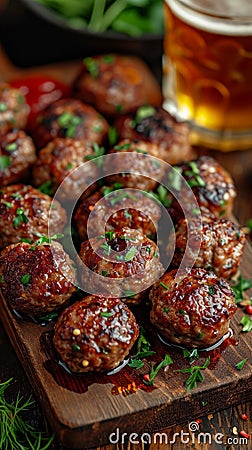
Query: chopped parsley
x=11, y=147
x=195, y=374
x=46, y=188
x=143, y=350
x=163, y=285
x=5, y=162
x=246, y=321
x=69, y=122
x=130, y=254
x=243, y=284
x=154, y=370
x=20, y=218
x=25, y=279
x=92, y=66
x=241, y=364
x=105, y=314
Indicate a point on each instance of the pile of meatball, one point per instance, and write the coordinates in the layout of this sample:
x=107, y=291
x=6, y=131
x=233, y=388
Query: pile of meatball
x=115, y=108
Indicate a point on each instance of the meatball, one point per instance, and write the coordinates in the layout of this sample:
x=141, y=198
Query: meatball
x=58, y=160
x=221, y=246
x=157, y=126
x=148, y=170
x=192, y=308
x=14, y=110
x=95, y=334
x=131, y=208
x=70, y=118
x=17, y=154
x=126, y=261
x=26, y=213
x=210, y=183
x=116, y=84
x=36, y=279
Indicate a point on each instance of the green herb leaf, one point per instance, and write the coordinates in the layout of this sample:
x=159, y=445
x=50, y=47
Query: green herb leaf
x=242, y=285
x=195, y=374
x=164, y=285
x=46, y=188
x=11, y=147
x=20, y=218
x=5, y=162
x=105, y=314
x=154, y=370
x=246, y=321
x=130, y=254
x=25, y=279
x=143, y=112
x=241, y=364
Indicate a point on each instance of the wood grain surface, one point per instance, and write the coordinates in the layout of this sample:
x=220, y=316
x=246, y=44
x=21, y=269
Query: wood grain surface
x=87, y=408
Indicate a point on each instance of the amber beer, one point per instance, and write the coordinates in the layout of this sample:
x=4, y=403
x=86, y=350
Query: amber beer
x=207, y=69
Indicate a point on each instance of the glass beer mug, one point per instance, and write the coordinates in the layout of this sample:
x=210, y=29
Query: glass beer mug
x=207, y=70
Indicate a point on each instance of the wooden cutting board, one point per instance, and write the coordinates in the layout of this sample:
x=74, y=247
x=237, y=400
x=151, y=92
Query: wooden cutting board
x=84, y=410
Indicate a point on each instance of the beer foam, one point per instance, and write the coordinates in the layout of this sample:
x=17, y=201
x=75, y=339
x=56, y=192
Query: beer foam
x=235, y=16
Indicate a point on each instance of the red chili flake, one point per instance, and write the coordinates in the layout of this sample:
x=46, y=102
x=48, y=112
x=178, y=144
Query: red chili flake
x=244, y=434
x=146, y=377
x=198, y=421
x=244, y=417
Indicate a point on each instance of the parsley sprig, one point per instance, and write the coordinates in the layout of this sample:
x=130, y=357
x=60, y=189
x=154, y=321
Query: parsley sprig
x=195, y=374
x=143, y=350
x=242, y=285
x=154, y=370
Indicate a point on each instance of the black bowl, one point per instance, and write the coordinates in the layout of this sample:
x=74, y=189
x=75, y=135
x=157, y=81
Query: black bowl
x=33, y=35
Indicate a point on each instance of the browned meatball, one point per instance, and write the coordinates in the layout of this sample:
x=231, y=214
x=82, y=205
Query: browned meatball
x=95, y=334
x=36, y=279
x=13, y=109
x=192, y=308
x=126, y=261
x=157, y=126
x=58, y=160
x=221, y=246
x=131, y=209
x=17, y=154
x=70, y=118
x=117, y=84
x=25, y=213
x=148, y=171
x=210, y=183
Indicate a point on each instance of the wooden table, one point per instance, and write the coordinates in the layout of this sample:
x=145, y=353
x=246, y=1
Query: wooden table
x=240, y=166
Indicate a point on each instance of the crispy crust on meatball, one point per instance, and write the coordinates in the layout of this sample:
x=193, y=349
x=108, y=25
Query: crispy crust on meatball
x=221, y=246
x=211, y=184
x=25, y=213
x=133, y=209
x=19, y=153
x=192, y=308
x=116, y=84
x=70, y=118
x=95, y=334
x=58, y=160
x=158, y=127
x=147, y=170
x=14, y=110
x=36, y=279
x=126, y=261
